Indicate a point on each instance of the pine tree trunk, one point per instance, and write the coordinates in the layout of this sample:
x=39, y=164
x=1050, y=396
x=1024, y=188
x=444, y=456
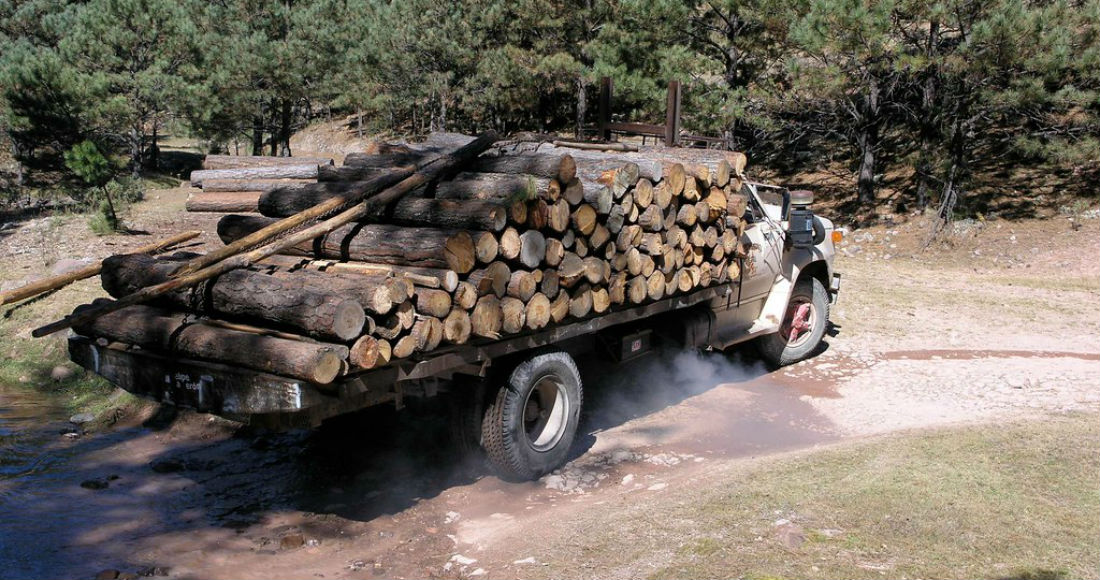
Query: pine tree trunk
x=135, y=152
x=258, y=135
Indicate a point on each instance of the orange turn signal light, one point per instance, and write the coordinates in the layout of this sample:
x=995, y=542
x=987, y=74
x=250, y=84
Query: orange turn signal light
x=838, y=236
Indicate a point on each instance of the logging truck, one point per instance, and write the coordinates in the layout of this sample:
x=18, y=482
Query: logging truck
x=459, y=287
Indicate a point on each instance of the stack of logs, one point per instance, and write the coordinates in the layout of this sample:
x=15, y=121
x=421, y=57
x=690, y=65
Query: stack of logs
x=234, y=183
x=527, y=236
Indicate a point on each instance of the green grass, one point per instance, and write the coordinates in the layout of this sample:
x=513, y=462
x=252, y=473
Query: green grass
x=1017, y=500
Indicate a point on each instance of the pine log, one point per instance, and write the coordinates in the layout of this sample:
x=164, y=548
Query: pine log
x=522, y=285
x=655, y=286
x=435, y=303
x=316, y=312
x=428, y=332
x=651, y=220
x=537, y=313
x=558, y=217
x=601, y=300
x=486, y=248
x=487, y=318
x=628, y=237
x=260, y=185
x=722, y=173
x=514, y=313
x=637, y=289
x=532, y=250
x=299, y=171
x=580, y=246
x=492, y=279
x=596, y=195
x=364, y=353
x=538, y=214
x=237, y=201
x=559, y=307
x=549, y=284
x=509, y=244
x=456, y=327
x=405, y=346
x=385, y=352
x=600, y=235
x=616, y=288
x=615, y=219
x=423, y=277
x=498, y=186
x=662, y=195
x=555, y=251
x=580, y=303
x=159, y=330
x=584, y=219
x=551, y=166
x=357, y=159
x=571, y=270
x=648, y=265
x=330, y=174
x=243, y=161
x=398, y=245
x=596, y=270
x=465, y=295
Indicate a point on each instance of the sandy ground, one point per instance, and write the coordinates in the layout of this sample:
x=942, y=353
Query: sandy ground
x=997, y=325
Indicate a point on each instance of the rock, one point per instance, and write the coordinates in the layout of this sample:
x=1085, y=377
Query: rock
x=95, y=484
x=81, y=418
x=292, y=541
x=107, y=575
x=128, y=576
x=627, y=479
x=657, y=486
x=791, y=536
x=167, y=466
x=155, y=571
x=462, y=560
x=530, y=560
x=61, y=372
x=66, y=265
x=452, y=517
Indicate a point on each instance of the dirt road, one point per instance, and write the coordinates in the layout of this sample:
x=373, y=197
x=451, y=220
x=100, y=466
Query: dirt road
x=991, y=329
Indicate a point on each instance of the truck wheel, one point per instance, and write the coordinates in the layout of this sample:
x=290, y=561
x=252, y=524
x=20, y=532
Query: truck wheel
x=803, y=326
x=530, y=424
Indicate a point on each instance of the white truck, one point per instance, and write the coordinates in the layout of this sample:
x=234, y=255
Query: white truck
x=520, y=397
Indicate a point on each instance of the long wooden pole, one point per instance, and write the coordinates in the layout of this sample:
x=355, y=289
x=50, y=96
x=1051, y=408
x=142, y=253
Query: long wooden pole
x=232, y=262
x=60, y=281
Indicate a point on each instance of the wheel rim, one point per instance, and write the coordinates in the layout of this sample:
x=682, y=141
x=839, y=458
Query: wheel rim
x=799, y=322
x=545, y=413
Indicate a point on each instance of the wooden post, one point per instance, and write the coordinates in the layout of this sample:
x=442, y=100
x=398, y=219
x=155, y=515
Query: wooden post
x=672, y=119
x=606, y=88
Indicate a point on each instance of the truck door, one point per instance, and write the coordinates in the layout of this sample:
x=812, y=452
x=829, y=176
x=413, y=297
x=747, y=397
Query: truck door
x=764, y=241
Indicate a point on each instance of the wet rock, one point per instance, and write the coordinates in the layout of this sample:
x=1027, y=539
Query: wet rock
x=81, y=418
x=155, y=571
x=95, y=484
x=107, y=575
x=128, y=576
x=61, y=373
x=292, y=541
x=167, y=466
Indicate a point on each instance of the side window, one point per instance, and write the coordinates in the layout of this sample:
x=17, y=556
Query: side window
x=753, y=213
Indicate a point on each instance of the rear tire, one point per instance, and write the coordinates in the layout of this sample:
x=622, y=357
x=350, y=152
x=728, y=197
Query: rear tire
x=530, y=424
x=803, y=325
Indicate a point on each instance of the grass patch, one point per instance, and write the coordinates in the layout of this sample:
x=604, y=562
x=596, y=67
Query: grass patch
x=1005, y=501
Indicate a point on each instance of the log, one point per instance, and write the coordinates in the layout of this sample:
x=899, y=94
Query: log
x=522, y=285
x=570, y=270
x=228, y=202
x=538, y=214
x=601, y=300
x=662, y=195
x=509, y=244
x=60, y=281
x=651, y=220
x=559, y=307
x=615, y=219
x=552, y=166
x=498, y=186
x=365, y=353
x=596, y=195
x=316, y=312
x=637, y=289
x=243, y=161
x=580, y=303
x=487, y=318
x=486, y=248
x=404, y=347
x=385, y=352
x=595, y=146
x=260, y=185
x=537, y=312
x=385, y=160
x=159, y=330
x=456, y=327
x=465, y=295
x=329, y=174
x=549, y=284
x=374, y=293
x=584, y=219
x=616, y=288
x=558, y=217
x=532, y=250
x=388, y=244
x=492, y=279
x=299, y=171
x=599, y=236
x=555, y=251
x=424, y=277
x=435, y=303
x=630, y=236
x=428, y=332
x=596, y=270
x=491, y=215
x=655, y=286
x=514, y=313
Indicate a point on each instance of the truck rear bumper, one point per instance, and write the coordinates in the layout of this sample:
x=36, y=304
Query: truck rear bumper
x=201, y=386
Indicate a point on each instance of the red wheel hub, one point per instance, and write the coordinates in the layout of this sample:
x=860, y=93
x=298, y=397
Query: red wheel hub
x=799, y=321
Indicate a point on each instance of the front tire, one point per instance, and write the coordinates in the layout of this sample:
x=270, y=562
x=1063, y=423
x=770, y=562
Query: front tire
x=803, y=326
x=530, y=425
